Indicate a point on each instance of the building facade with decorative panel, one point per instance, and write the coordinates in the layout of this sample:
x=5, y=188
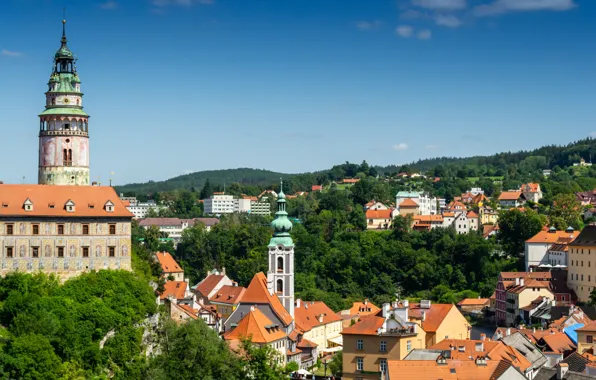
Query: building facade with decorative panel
x=64, y=230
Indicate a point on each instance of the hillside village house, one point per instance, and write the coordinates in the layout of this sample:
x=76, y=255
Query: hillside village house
x=374, y=205
x=582, y=263
x=488, y=215
x=537, y=247
x=531, y=192
x=226, y=299
x=169, y=266
x=426, y=204
x=510, y=280
x=427, y=222
x=211, y=284
x=319, y=324
x=393, y=332
x=64, y=230
x=409, y=207
x=379, y=219
x=359, y=309
x=511, y=199
x=586, y=338
x=522, y=294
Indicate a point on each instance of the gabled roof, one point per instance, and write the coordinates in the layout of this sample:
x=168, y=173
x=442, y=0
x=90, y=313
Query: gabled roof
x=366, y=326
x=428, y=218
x=228, y=294
x=471, y=214
x=50, y=200
x=530, y=187
x=473, y=302
x=305, y=343
x=256, y=326
x=586, y=238
x=177, y=289
x=548, y=237
x=559, y=342
x=510, y=195
x=378, y=214
x=363, y=308
x=307, y=315
x=408, y=202
x=453, y=369
x=167, y=262
x=434, y=316
x=209, y=283
x=257, y=293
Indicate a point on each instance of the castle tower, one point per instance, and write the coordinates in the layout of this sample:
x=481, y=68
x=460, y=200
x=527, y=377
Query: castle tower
x=280, y=277
x=64, y=126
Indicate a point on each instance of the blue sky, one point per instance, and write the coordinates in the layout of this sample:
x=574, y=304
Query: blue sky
x=175, y=86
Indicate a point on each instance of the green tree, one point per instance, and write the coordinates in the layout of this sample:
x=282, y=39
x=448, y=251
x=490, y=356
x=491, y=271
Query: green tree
x=30, y=356
x=515, y=227
x=566, y=212
x=336, y=364
x=262, y=362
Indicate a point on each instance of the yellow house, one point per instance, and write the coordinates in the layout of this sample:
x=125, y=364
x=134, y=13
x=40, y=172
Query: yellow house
x=318, y=323
x=488, y=215
x=585, y=338
x=521, y=294
x=581, y=262
x=226, y=299
x=393, y=332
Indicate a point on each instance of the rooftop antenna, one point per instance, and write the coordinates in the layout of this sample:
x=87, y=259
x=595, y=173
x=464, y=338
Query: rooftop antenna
x=111, y=174
x=23, y=180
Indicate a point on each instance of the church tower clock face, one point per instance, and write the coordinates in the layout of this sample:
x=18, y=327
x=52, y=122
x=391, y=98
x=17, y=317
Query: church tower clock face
x=64, y=125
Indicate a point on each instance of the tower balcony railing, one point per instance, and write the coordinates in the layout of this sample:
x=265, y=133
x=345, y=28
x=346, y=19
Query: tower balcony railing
x=64, y=132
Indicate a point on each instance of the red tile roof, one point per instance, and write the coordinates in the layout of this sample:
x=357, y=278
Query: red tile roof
x=473, y=302
x=305, y=343
x=530, y=187
x=471, y=214
x=351, y=180
x=378, y=214
x=167, y=262
x=364, y=308
x=434, y=316
x=366, y=326
x=408, y=202
x=428, y=218
x=228, y=294
x=460, y=370
x=177, y=289
x=89, y=201
x=209, y=283
x=510, y=195
x=257, y=293
x=317, y=187
x=256, y=326
x=548, y=237
x=559, y=342
x=307, y=315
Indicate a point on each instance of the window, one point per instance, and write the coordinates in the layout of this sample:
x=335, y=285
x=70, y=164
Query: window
x=359, y=364
x=409, y=345
x=34, y=251
x=8, y=251
x=85, y=229
x=280, y=286
x=61, y=229
x=112, y=229
x=280, y=264
x=383, y=365
x=582, y=277
x=9, y=229
x=383, y=347
x=111, y=251
x=60, y=251
x=85, y=251
x=360, y=344
x=35, y=229
x=589, y=339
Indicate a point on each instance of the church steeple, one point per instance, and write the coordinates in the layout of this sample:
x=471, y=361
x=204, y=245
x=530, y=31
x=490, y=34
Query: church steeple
x=280, y=277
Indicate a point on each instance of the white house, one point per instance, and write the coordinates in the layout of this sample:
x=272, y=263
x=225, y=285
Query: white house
x=220, y=203
x=426, y=205
x=537, y=247
x=511, y=199
x=531, y=192
x=463, y=222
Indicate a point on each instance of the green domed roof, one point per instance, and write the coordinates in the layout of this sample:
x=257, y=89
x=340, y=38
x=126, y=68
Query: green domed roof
x=281, y=224
x=64, y=52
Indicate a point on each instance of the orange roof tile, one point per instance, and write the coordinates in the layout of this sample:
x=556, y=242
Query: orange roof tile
x=257, y=293
x=228, y=294
x=89, y=201
x=305, y=343
x=408, y=202
x=177, y=289
x=351, y=180
x=510, y=195
x=430, y=370
x=548, y=237
x=317, y=187
x=588, y=327
x=428, y=218
x=364, y=308
x=366, y=326
x=530, y=187
x=378, y=214
x=559, y=342
x=186, y=310
x=434, y=315
x=473, y=301
x=448, y=214
x=209, y=283
x=457, y=205
x=256, y=326
x=167, y=262
x=471, y=214
x=307, y=315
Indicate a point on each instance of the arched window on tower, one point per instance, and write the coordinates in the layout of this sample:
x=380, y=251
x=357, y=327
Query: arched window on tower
x=280, y=286
x=53, y=101
x=280, y=264
x=67, y=157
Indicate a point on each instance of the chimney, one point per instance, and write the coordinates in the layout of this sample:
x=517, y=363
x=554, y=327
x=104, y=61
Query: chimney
x=366, y=301
x=479, y=346
x=394, y=305
x=252, y=308
x=321, y=318
x=517, y=281
x=223, y=271
x=386, y=308
x=406, y=303
x=423, y=315
x=482, y=337
x=521, y=282
x=562, y=369
x=533, y=330
x=298, y=303
x=508, y=331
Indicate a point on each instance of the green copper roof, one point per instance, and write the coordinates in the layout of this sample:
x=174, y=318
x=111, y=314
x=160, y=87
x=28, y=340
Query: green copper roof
x=408, y=194
x=64, y=52
x=281, y=224
x=66, y=82
x=64, y=111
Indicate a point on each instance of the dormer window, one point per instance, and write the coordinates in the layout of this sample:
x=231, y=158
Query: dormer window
x=50, y=205
x=109, y=206
x=69, y=206
x=28, y=205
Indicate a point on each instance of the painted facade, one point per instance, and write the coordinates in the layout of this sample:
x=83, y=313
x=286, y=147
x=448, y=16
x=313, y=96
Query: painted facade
x=64, y=126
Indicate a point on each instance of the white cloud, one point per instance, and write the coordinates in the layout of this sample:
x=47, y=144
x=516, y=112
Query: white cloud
x=498, y=7
x=12, y=54
x=592, y=134
x=440, y=4
x=400, y=146
x=108, y=5
x=369, y=25
x=187, y=3
x=449, y=21
x=424, y=34
x=405, y=31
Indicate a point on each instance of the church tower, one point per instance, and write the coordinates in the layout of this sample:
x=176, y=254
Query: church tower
x=280, y=278
x=64, y=126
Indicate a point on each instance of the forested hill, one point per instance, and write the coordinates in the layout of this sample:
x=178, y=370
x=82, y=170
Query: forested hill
x=554, y=155
x=217, y=178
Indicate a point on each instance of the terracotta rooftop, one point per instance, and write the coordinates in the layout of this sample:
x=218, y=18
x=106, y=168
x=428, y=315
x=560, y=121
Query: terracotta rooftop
x=305, y=343
x=408, y=202
x=559, y=342
x=510, y=195
x=209, y=283
x=366, y=326
x=460, y=370
x=167, y=262
x=46, y=200
x=589, y=327
x=307, y=315
x=434, y=315
x=549, y=237
x=378, y=214
x=177, y=289
x=364, y=308
x=256, y=326
x=530, y=187
x=257, y=293
x=473, y=302
x=228, y=294
x=428, y=218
